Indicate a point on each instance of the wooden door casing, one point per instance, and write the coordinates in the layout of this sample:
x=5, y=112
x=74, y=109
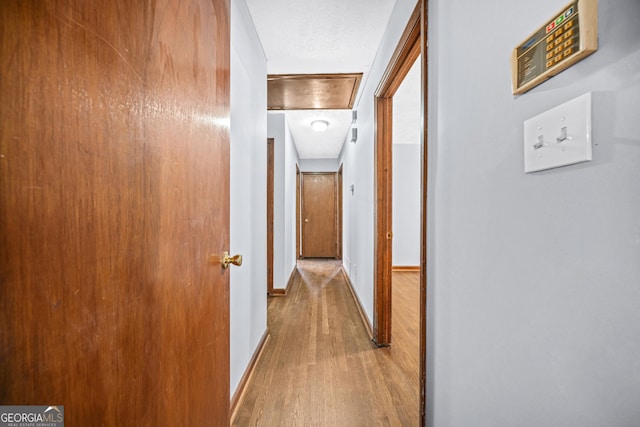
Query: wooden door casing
x=339, y=190
x=298, y=212
x=270, y=201
x=405, y=55
x=319, y=215
x=114, y=191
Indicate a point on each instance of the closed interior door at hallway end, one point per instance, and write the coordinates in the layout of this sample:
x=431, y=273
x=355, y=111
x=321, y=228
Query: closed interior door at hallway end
x=319, y=215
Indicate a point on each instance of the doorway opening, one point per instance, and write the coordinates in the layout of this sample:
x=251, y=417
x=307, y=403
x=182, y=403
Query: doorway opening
x=412, y=44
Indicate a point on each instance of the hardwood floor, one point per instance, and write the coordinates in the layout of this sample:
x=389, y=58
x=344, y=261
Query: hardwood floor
x=319, y=368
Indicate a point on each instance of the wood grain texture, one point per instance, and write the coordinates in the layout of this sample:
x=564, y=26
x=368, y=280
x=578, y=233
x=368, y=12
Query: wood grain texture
x=424, y=161
x=312, y=91
x=406, y=268
x=320, y=368
x=382, y=298
x=114, y=176
x=319, y=215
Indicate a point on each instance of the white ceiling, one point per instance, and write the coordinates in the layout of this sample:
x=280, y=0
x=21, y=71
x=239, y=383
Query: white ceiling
x=318, y=37
x=319, y=145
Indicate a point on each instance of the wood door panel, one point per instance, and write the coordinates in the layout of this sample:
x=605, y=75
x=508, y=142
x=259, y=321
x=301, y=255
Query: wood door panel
x=114, y=180
x=319, y=227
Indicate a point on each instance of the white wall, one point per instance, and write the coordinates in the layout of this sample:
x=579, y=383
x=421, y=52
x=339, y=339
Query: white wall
x=319, y=165
x=284, y=236
x=533, y=280
x=406, y=204
x=291, y=159
x=358, y=161
x=276, y=129
x=248, y=315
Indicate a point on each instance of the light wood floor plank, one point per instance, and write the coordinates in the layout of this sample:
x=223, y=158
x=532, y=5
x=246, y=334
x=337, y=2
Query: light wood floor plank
x=319, y=367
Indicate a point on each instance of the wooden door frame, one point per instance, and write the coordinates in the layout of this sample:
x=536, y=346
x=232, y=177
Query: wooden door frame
x=298, y=212
x=339, y=211
x=413, y=42
x=270, y=205
x=404, y=57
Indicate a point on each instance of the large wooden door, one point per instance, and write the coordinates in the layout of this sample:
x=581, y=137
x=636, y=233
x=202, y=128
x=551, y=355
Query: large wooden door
x=114, y=192
x=319, y=215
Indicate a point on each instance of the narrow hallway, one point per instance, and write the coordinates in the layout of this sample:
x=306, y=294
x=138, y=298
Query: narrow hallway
x=320, y=368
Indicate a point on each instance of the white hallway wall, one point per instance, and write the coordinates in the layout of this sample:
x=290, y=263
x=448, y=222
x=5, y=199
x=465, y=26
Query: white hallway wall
x=276, y=129
x=291, y=160
x=284, y=235
x=406, y=205
x=248, y=316
x=534, y=279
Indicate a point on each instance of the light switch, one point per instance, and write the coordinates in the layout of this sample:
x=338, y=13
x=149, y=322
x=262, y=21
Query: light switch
x=559, y=137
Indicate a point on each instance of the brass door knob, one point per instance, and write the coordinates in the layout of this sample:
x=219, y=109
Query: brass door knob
x=227, y=259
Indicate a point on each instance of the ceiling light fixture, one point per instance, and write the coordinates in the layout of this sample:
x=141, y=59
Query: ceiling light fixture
x=319, y=125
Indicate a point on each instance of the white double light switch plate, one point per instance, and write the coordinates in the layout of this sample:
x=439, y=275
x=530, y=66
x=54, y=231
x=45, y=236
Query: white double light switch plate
x=558, y=137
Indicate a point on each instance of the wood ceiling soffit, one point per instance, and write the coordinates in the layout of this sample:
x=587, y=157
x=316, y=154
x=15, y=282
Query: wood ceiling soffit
x=312, y=91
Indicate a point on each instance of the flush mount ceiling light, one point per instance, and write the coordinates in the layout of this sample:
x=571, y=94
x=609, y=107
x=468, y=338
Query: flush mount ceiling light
x=319, y=125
